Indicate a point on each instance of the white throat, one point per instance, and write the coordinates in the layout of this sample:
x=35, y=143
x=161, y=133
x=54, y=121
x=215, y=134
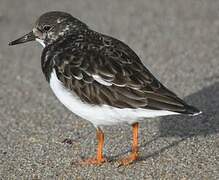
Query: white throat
x=40, y=41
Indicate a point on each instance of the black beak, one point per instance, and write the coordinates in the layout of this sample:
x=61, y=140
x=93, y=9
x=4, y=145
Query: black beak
x=28, y=37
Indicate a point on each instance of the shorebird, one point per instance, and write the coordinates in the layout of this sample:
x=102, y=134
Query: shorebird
x=100, y=78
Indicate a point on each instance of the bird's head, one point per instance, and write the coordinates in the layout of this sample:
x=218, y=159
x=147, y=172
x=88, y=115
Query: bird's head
x=51, y=26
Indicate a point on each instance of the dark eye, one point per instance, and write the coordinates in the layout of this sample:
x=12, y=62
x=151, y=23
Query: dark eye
x=46, y=28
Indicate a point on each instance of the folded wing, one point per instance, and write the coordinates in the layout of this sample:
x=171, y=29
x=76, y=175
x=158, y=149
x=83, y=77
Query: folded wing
x=106, y=71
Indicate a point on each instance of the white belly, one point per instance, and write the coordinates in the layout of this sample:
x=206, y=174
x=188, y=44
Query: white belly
x=100, y=115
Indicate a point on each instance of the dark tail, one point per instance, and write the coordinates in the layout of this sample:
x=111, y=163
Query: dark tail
x=192, y=111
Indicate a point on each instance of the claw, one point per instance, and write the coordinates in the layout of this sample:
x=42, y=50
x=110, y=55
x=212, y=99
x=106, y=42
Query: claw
x=92, y=161
x=128, y=160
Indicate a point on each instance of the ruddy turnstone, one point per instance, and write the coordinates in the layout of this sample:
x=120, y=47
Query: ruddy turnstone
x=100, y=78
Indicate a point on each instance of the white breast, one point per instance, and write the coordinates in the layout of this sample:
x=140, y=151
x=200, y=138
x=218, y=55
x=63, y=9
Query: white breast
x=41, y=42
x=100, y=115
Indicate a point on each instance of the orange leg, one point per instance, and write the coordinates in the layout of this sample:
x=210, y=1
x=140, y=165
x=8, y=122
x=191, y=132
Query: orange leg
x=99, y=157
x=134, y=153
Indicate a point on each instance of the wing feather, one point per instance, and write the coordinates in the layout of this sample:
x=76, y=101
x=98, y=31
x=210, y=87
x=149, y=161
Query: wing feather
x=104, y=70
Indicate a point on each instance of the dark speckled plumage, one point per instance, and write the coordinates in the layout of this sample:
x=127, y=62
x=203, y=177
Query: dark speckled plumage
x=100, y=69
x=78, y=53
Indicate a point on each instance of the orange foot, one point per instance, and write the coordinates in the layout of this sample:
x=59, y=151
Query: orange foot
x=92, y=161
x=128, y=160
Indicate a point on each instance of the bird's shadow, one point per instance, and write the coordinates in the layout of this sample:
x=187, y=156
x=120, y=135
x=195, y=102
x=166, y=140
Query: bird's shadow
x=183, y=127
x=207, y=100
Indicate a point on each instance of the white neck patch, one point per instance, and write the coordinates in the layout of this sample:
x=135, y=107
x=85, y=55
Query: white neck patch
x=40, y=41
